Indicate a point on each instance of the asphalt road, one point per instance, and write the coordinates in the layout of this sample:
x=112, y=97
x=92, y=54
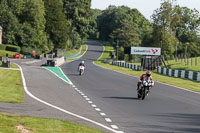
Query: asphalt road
x=166, y=110
x=46, y=87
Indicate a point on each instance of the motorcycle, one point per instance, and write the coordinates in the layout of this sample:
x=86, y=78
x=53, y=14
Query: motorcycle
x=81, y=70
x=146, y=85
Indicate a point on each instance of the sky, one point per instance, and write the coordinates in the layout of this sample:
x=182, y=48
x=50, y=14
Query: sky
x=146, y=7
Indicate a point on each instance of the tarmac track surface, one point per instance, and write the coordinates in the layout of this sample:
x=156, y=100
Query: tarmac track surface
x=166, y=110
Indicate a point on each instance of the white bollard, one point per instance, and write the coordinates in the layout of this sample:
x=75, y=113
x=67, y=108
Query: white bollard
x=190, y=75
x=182, y=74
x=170, y=72
x=176, y=73
x=198, y=76
x=159, y=69
x=165, y=71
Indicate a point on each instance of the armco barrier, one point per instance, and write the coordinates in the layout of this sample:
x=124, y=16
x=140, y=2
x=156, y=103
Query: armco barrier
x=179, y=73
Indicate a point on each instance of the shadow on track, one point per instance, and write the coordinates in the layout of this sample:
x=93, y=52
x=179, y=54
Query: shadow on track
x=125, y=98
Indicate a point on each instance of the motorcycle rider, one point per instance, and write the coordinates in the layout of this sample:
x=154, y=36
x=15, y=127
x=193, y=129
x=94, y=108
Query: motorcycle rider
x=142, y=77
x=81, y=64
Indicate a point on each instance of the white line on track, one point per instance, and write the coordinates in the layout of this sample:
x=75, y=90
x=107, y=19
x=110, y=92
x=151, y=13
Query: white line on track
x=60, y=109
x=103, y=114
x=108, y=119
x=90, y=102
x=93, y=105
x=97, y=109
x=87, y=99
x=114, y=126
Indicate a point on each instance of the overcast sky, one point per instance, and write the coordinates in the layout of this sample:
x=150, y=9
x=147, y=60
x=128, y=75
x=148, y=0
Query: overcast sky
x=146, y=7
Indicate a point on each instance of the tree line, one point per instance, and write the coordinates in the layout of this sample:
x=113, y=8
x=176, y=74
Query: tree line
x=51, y=24
x=45, y=24
x=173, y=28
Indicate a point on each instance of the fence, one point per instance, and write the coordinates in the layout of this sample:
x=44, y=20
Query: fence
x=127, y=65
x=165, y=71
x=179, y=73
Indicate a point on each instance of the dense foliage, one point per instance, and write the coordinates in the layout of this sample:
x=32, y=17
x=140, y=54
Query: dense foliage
x=46, y=25
x=176, y=28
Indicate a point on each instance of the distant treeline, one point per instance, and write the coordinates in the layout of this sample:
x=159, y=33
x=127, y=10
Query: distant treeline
x=51, y=24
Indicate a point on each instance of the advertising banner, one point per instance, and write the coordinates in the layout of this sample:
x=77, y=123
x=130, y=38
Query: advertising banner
x=145, y=50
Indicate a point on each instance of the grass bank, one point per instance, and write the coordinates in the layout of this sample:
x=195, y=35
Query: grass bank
x=84, y=47
x=183, y=83
x=12, y=124
x=11, y=86
x=193, y=64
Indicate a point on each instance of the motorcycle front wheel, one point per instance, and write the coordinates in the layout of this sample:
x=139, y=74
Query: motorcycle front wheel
x=143, y=93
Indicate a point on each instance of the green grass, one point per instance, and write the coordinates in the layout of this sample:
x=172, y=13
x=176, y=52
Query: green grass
x=9, y=123
x=11, y=65
x=72, y=51
x=10, y=53
x=11, y=86
x=181, y=65
x=183, y=83
x=84, y=46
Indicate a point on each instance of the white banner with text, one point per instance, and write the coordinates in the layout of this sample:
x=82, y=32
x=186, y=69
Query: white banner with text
x=145, y=50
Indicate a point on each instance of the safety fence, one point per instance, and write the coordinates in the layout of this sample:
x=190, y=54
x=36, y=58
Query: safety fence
x=127, y=65
x=179, y=73
x=165, y=71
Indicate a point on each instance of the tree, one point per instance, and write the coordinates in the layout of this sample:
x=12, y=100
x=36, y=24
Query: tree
x=79, y=13
x=127, y=35
x=24, y=23
x=164, y=20
x=57, y=26
x=187, y=31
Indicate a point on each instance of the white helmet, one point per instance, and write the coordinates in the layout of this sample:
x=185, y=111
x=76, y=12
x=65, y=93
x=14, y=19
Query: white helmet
x=82, y=62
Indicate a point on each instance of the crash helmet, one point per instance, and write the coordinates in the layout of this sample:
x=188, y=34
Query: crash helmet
x=82, y=62
x=148, y=73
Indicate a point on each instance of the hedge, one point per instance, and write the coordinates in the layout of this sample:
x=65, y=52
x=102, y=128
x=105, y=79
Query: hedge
x=13, y=48
x=2, y=47
x=29, y=50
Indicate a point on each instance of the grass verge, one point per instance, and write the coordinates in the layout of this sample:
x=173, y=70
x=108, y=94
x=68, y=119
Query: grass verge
x=11, y=86
x=183, y=83
x=9, y=124
x=84, y=47
x=193, y=64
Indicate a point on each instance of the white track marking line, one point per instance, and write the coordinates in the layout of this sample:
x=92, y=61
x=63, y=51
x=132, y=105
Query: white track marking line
x=114, y=126
x=108, y=119
x=90, y=102
x=97, y=109
x=93, y=105
x=87, y=99
x=103, y=114
x=58, y=108
x=120, y=132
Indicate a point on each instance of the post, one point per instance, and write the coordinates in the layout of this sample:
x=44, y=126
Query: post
x=1, y=30
x=117, y=46
x=176, y=54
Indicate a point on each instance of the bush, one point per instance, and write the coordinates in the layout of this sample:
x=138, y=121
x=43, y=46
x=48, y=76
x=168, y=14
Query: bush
x=13, y=48
x=2, y=47
x=27, y=50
